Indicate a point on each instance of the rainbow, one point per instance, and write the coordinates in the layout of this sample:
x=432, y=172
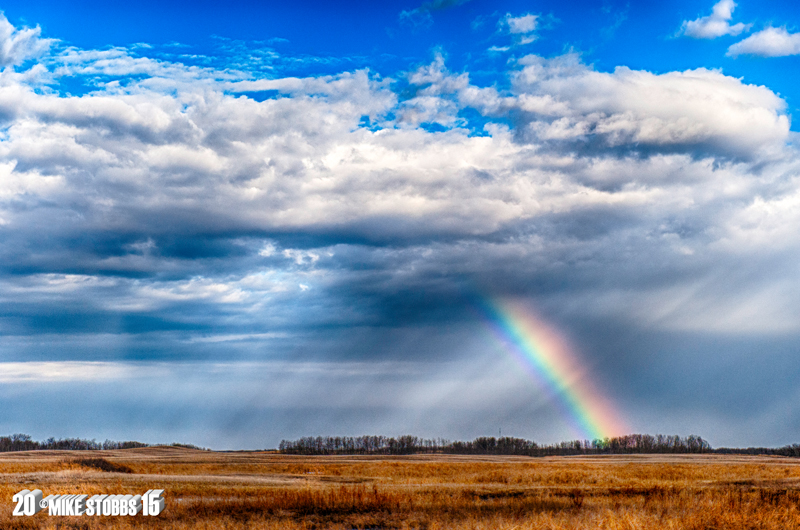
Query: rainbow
x=545, y=355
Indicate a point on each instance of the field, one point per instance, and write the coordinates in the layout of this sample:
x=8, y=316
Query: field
x=238, y=490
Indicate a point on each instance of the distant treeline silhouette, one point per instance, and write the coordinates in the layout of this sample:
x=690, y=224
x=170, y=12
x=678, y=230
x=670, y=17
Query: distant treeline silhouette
x=403, y=445
x=23, y=442
x=408, y=444
x=786, y=450
x=630, y=444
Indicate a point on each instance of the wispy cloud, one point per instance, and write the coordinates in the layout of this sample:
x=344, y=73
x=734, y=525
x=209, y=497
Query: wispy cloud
x=20, y=44
x=65, y=371
x=422, y=15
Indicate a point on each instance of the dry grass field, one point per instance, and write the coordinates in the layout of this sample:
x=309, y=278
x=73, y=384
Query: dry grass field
x=239, y=490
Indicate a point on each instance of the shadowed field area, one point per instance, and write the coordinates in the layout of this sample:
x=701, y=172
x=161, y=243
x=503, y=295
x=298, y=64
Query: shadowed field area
x=239, y=490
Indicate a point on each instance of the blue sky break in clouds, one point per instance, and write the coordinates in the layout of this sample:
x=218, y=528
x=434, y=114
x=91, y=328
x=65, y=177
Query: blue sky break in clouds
x=231, y=223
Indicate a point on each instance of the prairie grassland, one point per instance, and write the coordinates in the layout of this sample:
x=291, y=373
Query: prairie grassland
x=246, y=490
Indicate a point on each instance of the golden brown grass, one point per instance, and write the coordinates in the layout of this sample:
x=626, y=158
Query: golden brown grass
x=239, y=491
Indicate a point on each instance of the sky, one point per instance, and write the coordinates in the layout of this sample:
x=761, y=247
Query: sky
x=228, y=224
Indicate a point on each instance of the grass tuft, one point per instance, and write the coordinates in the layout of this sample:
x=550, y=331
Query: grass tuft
x=103, y=465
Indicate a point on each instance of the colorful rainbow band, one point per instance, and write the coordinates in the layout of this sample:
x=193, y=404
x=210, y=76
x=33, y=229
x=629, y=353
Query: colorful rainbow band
x=548, y=357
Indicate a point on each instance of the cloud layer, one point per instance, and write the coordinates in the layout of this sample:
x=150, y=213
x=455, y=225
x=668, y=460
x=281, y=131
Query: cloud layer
x=173, y=189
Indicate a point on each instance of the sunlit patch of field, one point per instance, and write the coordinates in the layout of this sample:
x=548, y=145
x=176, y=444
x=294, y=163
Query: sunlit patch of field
x=242, y=490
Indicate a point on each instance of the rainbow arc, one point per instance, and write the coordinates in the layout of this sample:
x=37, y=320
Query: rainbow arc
x=546, y=355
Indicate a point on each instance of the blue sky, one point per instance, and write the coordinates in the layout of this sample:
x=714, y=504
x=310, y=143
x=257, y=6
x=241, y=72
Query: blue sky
x=388, y=36
x=227, y=224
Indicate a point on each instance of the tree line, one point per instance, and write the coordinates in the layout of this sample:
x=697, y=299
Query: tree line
x=23, y=442
x=786, y=450
x=408, y=444
x=403, y=445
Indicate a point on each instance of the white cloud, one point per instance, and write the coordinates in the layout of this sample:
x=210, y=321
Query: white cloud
x=301, y=257
x=235, y=338
x=268, y=250
x=194, y=289
x=521, y=24
x=715, y=25
x=696, y=109
x=521, y=27
x=769, y=42
x=562, y=99
x=66, y=371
